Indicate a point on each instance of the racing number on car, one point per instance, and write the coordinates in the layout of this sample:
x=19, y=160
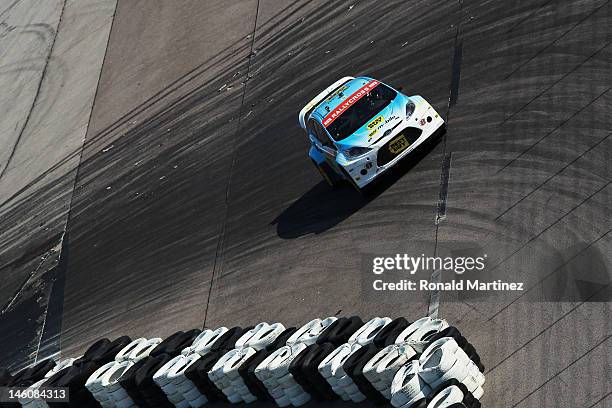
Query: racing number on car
x=398, y=145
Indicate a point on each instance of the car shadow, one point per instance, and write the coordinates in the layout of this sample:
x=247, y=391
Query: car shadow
x=322, y=207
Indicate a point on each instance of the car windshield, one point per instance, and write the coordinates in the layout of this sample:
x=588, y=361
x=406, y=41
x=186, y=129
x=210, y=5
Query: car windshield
x=362, y=111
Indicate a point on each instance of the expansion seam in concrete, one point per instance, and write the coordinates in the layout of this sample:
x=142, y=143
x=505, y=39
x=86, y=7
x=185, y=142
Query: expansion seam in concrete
x=76, y=177
x=36, y=95
x=436, y=276
x=553, y=176
x=218, y=260
x=562, y=371
x=544, y=330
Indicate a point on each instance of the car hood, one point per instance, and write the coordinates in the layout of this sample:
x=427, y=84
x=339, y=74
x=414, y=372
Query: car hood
x=374, y=129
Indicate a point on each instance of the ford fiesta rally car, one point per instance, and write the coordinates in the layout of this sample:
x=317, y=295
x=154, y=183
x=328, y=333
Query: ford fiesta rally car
x=359, y=127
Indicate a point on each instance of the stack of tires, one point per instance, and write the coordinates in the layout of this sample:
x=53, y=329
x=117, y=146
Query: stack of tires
x=274, y=373
x=332, y=368
x=225, y=374
x=424, y=364
x=104, y=382
x=444, y=372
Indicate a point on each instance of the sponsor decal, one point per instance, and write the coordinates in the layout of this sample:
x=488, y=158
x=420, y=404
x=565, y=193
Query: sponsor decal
x=422, y=122
x=350, y=101
x=376, y=122
x=372, y=134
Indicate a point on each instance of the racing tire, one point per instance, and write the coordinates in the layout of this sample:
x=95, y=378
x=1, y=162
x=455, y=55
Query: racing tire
x=354, y=366
x=304, y=369
x=389, y=333
x=340, y=331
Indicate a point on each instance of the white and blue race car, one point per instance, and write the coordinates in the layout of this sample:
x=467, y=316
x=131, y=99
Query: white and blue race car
x=359, y=128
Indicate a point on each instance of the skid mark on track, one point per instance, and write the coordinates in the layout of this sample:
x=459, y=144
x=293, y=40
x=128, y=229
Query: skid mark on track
x=218, y=260
x=556, y=82
x=36, y=95
x=553, y=176
x=557, y=269
x=453, y=96
x=559, y=126
x=444, y=179
x=562, y=371
x=555, y=40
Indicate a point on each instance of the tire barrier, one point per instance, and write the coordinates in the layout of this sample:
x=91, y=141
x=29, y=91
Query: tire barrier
x=382, y=367
x=224, y=374
x=260, y=336
x=424, y=364
x=273, y=373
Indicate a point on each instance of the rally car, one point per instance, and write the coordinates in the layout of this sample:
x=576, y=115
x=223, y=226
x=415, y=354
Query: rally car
x=360, y=127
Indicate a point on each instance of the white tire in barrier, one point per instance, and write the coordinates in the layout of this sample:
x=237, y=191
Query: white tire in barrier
x=277, y=392
x=438, y=365
x=110, y=383
x=94, y=384
x=357, y=397
x=184, y=385
x=424, y=333
x=368, y=331
x=124, y=353
x=447, y=397
x=143, y=349
x=447, y=343
x=413, y=327
x=478, y=392
x=475, y=372
x=458, y=372
x=161, y=379
x=310, y=332
x=293, y=391
x=283, y=401
x=300, y=400
x=199, y=402
x=260, y=336
x=335, y=359
x=203, y=345
x=60, y=366
x=407, y=386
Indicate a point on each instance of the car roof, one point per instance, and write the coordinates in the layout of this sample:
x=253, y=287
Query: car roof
x=338, y=96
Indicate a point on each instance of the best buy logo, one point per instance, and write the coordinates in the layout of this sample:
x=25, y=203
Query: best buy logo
x=375, y=122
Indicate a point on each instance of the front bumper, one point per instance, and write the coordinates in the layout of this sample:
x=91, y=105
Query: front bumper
x=366, y=169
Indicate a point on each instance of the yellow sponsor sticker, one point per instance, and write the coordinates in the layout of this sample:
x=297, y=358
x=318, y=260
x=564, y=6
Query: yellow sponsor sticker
x=377, y=121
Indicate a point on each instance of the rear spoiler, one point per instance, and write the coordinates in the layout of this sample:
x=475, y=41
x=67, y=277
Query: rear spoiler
x=317, y=99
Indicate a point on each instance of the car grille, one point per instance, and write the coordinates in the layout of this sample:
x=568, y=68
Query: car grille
x=385, y=154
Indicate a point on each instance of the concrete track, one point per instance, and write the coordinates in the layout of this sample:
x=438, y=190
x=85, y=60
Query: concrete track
x=195, y=201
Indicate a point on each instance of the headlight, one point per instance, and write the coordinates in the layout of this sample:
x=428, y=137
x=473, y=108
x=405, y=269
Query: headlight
x=354, y=152
x=409, y=109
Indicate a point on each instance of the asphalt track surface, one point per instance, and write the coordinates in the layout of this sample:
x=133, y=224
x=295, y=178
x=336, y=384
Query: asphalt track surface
x=195, y=203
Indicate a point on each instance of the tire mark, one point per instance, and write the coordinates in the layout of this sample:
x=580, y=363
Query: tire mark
x=552, y=131
x=9, y=8
x=562, y=371
x=552, y=176
x=221, y=241
x=555, y=83
x=36, y=95
x=551, y=225
x=544, y=330
x=555, y=40
x=600, y=400
x=436, y=276
x=524, y=293
x=528, y=16
x=444, y=179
